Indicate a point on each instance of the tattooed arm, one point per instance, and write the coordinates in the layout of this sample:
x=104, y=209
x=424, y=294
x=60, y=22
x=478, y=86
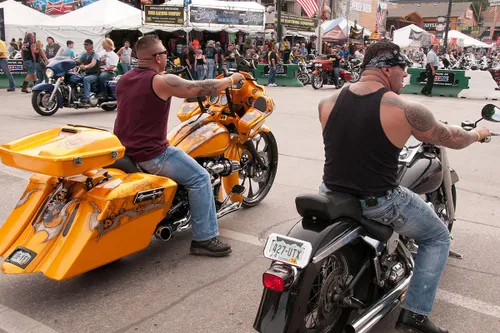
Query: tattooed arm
x=167, y=85
x=426, y=128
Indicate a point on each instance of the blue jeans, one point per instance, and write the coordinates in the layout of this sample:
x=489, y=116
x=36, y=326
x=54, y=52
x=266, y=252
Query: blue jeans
x=200, y=72
x=4, y=65
x=104, y=77
x=88, y=80
x=336, y=75
x=272, y=75
x=175, y=164
x=30, y=66
x=40, y=72
x=211, y=69
x=410, y=216
x=126, y=67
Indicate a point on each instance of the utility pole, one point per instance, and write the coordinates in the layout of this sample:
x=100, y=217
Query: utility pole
x=447, y=27
x=278, y=4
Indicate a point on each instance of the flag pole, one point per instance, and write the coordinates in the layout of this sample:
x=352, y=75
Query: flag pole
x=320, y=37
x=494, y=25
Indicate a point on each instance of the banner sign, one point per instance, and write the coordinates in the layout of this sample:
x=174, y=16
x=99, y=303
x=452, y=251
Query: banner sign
x=364, y=6
x=225, y=17
x=280, y=70
x=164, y=15
x=2, y=25
x=57, y=7
x=356, y=33
x=298, y=23
x=16, y=67
x=441, y=79
x=494, y=3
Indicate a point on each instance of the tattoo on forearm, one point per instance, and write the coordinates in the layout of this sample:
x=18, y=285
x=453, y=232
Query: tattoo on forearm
x=202, y=88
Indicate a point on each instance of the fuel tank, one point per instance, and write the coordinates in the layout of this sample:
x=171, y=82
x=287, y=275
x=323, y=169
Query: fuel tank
x=200, y=137
x=423, y=176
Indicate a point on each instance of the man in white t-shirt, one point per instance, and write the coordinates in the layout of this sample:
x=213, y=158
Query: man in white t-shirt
x=125, y=54
x=109, y=61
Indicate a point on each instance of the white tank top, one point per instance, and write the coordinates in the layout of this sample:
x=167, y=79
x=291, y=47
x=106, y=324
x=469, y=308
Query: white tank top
x=125, y=55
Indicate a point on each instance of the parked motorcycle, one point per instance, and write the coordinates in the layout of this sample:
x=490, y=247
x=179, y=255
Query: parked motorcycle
x=89, y=205
x=303, y=74
x=336, y=270
x=323, y=74
x=65, y=89
x=354, y=67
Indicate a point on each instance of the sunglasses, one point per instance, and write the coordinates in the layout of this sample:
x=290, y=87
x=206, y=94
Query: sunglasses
x=160, y=53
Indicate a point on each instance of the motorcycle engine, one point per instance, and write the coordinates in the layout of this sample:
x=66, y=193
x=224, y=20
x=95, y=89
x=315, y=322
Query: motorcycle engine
x=93, y=100
x=393, y=270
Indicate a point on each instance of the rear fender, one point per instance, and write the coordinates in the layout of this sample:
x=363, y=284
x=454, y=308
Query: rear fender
x=454, y=176
x=49, y=88
x=285, y=312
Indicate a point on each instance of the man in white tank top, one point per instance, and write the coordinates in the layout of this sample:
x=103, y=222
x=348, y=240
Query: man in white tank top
x=125, y=54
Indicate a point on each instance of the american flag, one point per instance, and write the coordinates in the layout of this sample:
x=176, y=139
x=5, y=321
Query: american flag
x=492, y=10
x=379, y=16
x=310, y=7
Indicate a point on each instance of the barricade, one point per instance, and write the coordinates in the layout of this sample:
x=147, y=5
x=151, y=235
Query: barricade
x=448, y=83
x=286, y=75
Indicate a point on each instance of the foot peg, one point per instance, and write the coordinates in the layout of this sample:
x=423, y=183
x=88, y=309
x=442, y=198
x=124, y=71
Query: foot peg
x=228, y=206
x=238, y=189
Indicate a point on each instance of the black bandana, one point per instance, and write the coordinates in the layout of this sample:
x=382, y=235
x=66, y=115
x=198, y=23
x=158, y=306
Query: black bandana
x=388, y=60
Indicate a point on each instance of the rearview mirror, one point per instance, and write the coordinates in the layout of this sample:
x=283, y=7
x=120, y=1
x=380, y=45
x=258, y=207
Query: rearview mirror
x=491, y=112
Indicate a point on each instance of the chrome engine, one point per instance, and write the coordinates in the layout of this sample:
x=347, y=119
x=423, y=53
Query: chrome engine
x=393, y=271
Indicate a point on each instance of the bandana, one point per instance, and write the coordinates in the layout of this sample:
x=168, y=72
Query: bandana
x=388, y=60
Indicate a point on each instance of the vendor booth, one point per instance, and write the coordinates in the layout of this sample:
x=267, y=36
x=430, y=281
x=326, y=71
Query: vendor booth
x=412, y=36
x=466, y=41
x=347, y=27
x=20, y=19
x=93, y=21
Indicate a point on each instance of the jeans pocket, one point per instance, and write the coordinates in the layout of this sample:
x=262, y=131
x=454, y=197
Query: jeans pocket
x=389, y=215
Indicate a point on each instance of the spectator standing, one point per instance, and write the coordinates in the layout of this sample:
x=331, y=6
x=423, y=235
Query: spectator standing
x=67, y=52
x=229, y=56
x=264, y=55
x=219, y=58
x=273, y=62
x=199, y=63
x=20, y=44
x=12, y=47
x=52, y=48
x=4, y=66
x=303, y=52
x=210, y=54
x=109, y=63
x=125, y=54
x=40, y=62
x=431, y=68
x=336, y=57
x=29, y=56
x=286, y=54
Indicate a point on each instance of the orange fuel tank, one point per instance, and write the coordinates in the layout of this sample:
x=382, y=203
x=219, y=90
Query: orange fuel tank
x=200, y=137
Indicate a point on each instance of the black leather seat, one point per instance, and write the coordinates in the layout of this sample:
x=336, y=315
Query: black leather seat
x=125, y=164
x=334, y=205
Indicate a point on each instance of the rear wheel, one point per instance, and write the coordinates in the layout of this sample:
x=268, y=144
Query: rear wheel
x=108, y=107
x=317, y=81
x=355, y=76
x=256, y=180
x=40, y=103
x=304, y=78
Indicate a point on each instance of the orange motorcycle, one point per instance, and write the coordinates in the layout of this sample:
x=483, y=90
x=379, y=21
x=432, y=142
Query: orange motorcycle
x=89, y=205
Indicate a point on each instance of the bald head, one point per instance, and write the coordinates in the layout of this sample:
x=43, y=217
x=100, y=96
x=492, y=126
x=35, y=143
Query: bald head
x=148, y=45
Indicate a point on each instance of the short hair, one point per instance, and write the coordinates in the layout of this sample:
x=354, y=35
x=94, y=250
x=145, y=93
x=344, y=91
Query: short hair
x=126, y=42
x=108, y=42
x=146, y=42
x=378, y=49
x=50, y=38
x=69, y=42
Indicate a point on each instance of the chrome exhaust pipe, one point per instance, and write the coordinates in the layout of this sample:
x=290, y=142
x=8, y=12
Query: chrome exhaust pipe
x=379, y=310
x=163, y=233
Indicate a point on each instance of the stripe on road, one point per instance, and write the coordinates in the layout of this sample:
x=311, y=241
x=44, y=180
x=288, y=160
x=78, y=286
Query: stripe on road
x=238, y=236
x=469, y=303
x=12, y=321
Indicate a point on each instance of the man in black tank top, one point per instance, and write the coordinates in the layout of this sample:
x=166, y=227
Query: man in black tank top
x=365, y=127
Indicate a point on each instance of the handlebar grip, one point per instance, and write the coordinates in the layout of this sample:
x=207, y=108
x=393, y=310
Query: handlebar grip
x=486, y=139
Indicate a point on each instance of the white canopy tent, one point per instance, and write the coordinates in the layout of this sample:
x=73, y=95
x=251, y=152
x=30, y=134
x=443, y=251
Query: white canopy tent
x=20, y=19
x=467, y=40
x=93, y=21
x=402, y=36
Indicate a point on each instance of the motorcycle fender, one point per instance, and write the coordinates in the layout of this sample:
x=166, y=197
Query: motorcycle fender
x=284, y=312
x=454, y=176
x=93, y=228
x=49, y=87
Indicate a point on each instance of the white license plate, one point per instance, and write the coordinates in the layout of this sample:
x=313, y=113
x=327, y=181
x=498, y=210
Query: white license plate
x=21, y=257
x=288, y=250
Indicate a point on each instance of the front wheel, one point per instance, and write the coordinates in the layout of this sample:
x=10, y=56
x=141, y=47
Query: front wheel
x=317, y=81
x=355, y=76
x=304, y=78
x=256, y=180
x=108, y=107
x=40, y=103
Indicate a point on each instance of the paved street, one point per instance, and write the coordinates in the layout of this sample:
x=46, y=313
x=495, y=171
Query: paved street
x=164, y=289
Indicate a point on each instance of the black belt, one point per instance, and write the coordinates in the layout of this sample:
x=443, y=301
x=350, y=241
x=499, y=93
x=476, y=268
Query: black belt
x=371, y=199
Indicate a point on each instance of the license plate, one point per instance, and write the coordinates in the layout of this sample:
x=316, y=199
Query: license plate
x=21, y=257
x=288, y=250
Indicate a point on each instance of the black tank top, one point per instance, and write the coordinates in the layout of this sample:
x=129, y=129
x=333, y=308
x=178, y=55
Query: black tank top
x=359, y=158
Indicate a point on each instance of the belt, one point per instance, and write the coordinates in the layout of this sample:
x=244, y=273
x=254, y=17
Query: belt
x=371, y=200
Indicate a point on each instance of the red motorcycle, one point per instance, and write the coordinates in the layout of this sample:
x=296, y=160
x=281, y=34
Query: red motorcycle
x=323, y=74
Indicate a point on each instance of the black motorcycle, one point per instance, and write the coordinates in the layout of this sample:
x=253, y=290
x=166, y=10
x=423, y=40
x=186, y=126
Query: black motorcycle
x=304, y=74
x=336, y=270
x=354, y=66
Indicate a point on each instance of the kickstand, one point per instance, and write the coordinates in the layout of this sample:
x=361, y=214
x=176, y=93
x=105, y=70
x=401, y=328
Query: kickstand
x=454, y=254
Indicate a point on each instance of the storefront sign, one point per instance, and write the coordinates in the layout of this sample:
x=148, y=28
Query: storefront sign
x=441, y=79
x=281, y=70
x=2, y=25
x=164, y=15
x=430, y=26
x=298, y=23
x=364, y=6
x=225, y=17
x=15, y=67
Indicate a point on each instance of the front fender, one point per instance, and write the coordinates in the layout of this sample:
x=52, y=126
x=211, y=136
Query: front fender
x=285, y=312
x=49, y=88
x=454, y=176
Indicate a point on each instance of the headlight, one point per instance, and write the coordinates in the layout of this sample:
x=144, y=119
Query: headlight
x=318, y=65
x=49, y=73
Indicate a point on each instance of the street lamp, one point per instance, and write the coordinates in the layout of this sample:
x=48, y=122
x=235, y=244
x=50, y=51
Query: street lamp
x=447, y=26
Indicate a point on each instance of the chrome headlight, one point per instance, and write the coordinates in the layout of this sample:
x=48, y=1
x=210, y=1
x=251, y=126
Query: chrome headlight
x=49, y=73
x=318, y=65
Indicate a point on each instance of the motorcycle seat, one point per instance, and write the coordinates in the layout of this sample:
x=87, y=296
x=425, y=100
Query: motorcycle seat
x=333, y=205
x=125, y=164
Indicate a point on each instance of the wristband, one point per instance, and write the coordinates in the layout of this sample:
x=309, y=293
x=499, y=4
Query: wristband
x=232, y=81
x=478, y=136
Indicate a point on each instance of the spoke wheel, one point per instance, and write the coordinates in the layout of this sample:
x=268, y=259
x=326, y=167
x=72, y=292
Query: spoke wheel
x=40, y=102
x=256, y=180
x=323, y=315
x=317, y=81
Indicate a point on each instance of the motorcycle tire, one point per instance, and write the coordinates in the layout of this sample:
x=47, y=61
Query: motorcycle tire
x=304, y=78
x=108, y=108
x=355, y=76
x=317, y=81
x=264, y=178
x=341, y=83
x=37, y=103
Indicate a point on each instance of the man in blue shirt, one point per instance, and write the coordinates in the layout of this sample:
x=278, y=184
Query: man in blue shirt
x=91, y=64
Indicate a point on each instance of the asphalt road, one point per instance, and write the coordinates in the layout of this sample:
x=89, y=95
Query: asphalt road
x=164, y=289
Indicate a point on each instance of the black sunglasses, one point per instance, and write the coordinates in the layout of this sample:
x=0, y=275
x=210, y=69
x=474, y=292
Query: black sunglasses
x=159, y=53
